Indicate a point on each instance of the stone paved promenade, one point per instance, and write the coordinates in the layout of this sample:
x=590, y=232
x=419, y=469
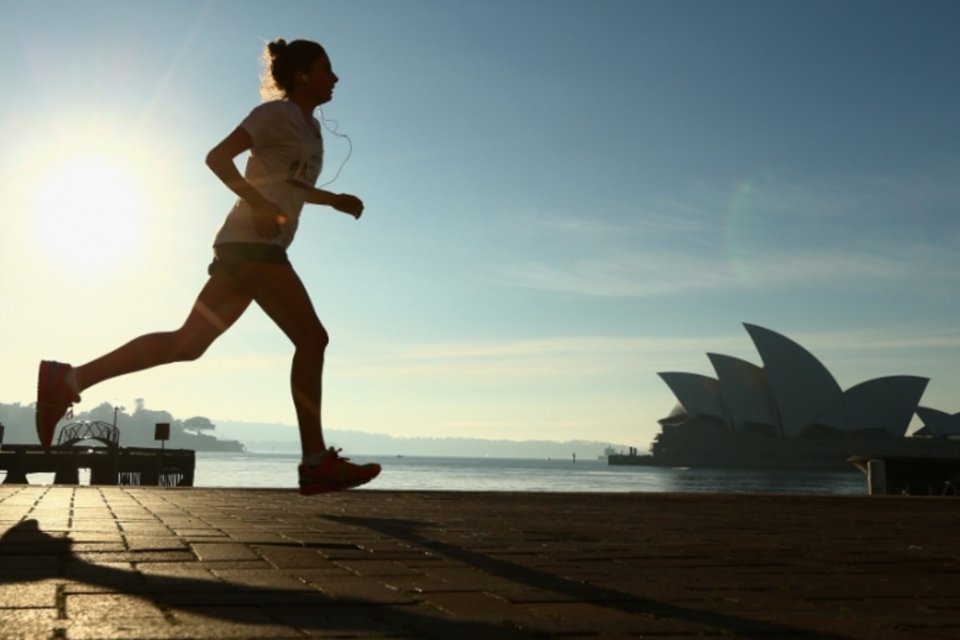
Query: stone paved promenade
x=94, y=562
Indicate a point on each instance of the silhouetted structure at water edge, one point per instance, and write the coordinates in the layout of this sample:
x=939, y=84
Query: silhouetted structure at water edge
x=95, y=446
x=791, y=414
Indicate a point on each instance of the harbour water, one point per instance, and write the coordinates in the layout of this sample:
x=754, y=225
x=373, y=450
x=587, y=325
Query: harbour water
x=263, y=470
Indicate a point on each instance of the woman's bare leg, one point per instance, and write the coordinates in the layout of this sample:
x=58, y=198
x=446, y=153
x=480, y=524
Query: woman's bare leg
x=220, y=303
x=280, y=293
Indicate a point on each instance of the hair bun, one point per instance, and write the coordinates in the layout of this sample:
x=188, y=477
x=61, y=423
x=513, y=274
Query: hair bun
x=276, y=47
x=283, y=62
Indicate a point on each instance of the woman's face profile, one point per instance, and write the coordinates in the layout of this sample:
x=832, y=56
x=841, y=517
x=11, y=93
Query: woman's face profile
x=320, y=79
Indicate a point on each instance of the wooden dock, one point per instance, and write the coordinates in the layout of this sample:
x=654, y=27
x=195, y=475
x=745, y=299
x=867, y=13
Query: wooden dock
x=108, y=465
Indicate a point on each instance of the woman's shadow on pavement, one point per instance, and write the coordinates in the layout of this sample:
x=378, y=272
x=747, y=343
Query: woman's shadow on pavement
x=232, y=602
x=306, y=609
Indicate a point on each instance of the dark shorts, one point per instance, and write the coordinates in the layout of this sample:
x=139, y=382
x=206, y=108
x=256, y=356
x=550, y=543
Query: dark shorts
x=230, y=256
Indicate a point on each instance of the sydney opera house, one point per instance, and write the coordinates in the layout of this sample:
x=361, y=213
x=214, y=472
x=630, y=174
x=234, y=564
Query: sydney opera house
x=790, y=413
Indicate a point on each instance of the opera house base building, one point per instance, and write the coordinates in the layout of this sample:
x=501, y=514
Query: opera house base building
x=791, y=414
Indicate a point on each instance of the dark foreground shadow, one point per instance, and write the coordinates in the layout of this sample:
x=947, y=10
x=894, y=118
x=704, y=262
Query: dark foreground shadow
x=409, y=532
x=304, y=609
x=311, y=610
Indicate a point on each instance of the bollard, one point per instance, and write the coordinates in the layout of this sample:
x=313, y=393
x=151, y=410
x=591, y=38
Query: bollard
x=876, y=478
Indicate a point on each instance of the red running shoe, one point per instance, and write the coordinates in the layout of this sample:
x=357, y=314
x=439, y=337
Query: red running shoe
x=335, y=474
x=54, y=397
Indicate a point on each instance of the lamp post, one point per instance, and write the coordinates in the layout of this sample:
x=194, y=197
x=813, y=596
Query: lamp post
x=116, y=410
x=161, y=432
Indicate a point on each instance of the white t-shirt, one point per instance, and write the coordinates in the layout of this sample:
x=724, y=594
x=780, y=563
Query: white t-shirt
x=284, y=147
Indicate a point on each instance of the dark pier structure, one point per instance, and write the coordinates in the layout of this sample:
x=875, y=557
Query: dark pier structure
x=108, y=462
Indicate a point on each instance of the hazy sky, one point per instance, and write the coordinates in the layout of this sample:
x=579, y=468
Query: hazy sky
x=563, y=198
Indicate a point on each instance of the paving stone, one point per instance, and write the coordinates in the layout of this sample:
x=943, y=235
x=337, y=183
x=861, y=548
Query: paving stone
x=423, y=584
x=13, y=565
x=183, y=577
x=148, y=543
x=334, y=620
x=259, y=578
x=256, y=537
x=479, y=580
x=219, y=552
x=374, y=567
x=360, y=589
x=97, y=607
x=127, y=629
x=478, y=607
x=22, y=595
x=29, y=624
x=578, y=617
x=426, y=621
x=135, y=556
x=314, y=575
x=227, y=595
x=232, y=622
x=292, y=556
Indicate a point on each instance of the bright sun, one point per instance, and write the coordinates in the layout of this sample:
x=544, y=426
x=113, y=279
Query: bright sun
x=89, y=210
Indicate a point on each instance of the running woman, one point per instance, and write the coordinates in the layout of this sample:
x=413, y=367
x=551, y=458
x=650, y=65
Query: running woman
x=250, y=262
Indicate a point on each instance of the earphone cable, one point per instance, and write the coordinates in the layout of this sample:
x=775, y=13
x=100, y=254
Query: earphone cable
x=333, y=127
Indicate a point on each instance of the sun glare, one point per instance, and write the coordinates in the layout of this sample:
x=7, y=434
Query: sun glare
x=89, y=210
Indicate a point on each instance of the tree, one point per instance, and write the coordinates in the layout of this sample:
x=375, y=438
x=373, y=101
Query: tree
x=102, y=412
x=198, y=424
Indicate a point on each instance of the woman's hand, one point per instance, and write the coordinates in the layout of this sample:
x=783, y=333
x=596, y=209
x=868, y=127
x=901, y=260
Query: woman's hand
x=349, y=204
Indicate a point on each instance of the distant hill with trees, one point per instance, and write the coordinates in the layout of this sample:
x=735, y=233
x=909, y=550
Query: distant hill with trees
x=284, y=438
x=197, y=432
x=136, y=429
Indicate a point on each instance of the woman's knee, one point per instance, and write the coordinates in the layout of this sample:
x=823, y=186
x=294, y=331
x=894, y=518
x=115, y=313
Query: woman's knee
x=190, y=345
x=322, y=338
x=315, y=341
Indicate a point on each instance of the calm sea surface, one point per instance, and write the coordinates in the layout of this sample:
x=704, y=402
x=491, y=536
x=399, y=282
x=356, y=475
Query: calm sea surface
x=498, y=474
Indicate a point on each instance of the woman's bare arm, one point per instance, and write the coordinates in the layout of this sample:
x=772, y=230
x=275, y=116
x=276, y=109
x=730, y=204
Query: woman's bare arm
x=267, y=215
x=344, y=202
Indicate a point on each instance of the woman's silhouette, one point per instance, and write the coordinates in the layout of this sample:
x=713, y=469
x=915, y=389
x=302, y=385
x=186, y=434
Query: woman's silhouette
x=250, y=261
